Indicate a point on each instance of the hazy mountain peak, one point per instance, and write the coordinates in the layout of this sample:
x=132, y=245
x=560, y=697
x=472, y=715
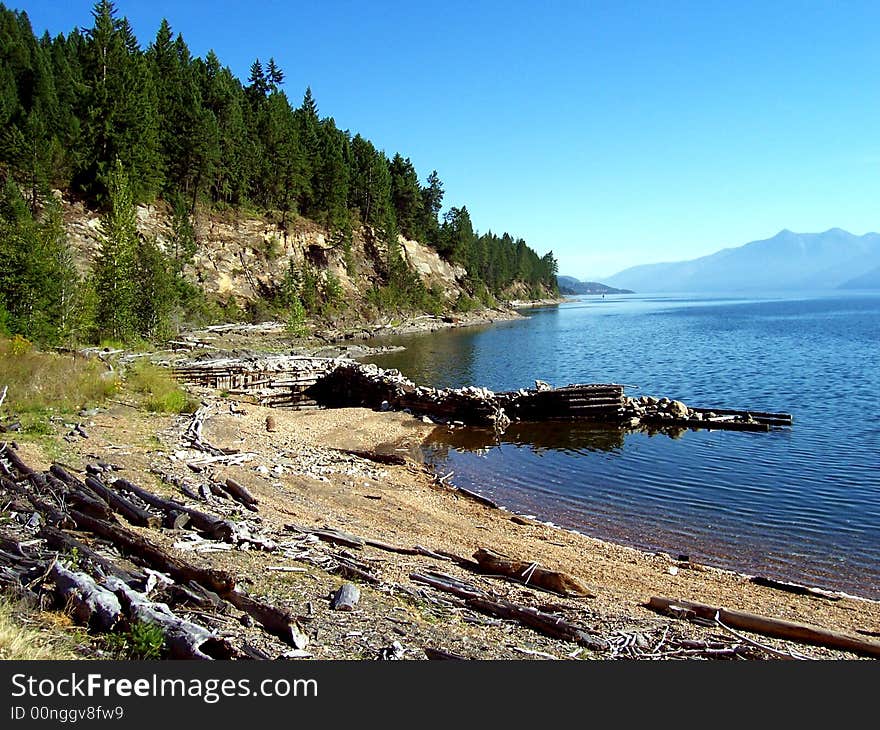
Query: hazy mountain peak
x=788, y=260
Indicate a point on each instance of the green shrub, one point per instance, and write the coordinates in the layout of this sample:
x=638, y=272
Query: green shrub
x=160, y=392
x=142, y=640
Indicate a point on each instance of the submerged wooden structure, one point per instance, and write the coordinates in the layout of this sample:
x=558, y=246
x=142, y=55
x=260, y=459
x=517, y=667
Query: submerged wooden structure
x=282, y=381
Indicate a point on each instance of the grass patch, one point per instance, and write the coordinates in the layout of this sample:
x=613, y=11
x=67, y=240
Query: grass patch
x=160, y=392
x=46, y=381
x=29, y=634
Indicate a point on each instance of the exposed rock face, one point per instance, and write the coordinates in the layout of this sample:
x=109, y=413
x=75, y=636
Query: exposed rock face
x=245, y=257
x=428, y=264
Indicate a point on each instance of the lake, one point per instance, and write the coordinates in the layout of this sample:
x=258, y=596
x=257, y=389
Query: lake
x=800, y=504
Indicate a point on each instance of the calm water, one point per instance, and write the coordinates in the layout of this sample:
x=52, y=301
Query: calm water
x=800, y=504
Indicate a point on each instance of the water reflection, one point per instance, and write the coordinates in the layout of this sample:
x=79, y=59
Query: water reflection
x=568, y=437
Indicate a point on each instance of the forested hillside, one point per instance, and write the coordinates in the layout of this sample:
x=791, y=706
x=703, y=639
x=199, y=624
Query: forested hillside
x=112, y=123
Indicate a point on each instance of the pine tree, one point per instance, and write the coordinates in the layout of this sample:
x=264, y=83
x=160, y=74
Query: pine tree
x=37, y=279
x=118, y=108
x=115, y=271
x=406, y=195
x=274, y=76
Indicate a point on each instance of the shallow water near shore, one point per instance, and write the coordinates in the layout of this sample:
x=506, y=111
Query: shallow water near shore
x=799, y=504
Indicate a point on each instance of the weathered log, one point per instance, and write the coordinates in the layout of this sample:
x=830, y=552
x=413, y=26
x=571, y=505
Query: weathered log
x=545, y=623
x=49, y=511
x=349, y=569
x=768, y=626
x=276, y=621
x=82, y=498
x=184, y=639
x=346, y=598
x=795, y=588
x=477, y=497
x=139, y=547
x=240, y=494
x=210, y=525
x=328, y=534
x=531, y=574
x=133, y=513
x=448, y=584
x=87, y=602
x=62, y=542
x=7, y=452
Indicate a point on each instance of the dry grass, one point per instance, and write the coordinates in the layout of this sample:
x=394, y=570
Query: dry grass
x=28, y=634
x=43, y=381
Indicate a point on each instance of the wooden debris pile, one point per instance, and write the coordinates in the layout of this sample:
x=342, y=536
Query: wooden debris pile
x=274, y=380
x=134, y=579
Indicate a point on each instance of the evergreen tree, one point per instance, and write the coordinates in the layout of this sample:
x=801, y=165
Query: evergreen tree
x=406, y=195
x=37, y=279
x=115, y=274
x=118, y=108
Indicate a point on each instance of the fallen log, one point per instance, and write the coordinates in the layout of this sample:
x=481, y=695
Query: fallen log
x=768, y=626
x=49, y=511
x=795, y=588
x=545, y=623
x=240, y=494
x=203, y=522
x=184, y=639
x=88, y=603
x=328, y=534
x=477, y=497
x=346, y=598
x=531, y=574
x=448, y=584
x=14, y=459
x=139, y=547
x=133, y=513
x=64, y=543
x=276, y=621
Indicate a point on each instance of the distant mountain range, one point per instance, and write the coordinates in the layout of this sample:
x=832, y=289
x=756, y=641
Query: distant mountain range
x=834, y=259
x=570, y=285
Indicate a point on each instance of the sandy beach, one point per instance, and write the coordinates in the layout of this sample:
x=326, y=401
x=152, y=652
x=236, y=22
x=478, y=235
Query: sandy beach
x=301, y=474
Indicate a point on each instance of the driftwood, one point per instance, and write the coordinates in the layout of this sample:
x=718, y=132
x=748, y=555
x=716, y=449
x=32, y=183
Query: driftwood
x=275, y=620
x=777, y=628
x=87, y=602
x=139, y=547
x=448, y=584
x=184, y=639
x=203, y=522
x=328, y=534
x=240, y=494
x=531, y=574
x=477, y=497
x=795, y=588
x=545, y=623
x=346, y=598
x=133, y=513
x=62, y=542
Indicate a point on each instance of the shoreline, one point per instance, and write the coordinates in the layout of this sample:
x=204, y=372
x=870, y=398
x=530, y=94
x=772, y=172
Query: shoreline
x=301, y=473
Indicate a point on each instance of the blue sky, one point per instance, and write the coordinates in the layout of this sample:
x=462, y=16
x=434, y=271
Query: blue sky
x=614, y=133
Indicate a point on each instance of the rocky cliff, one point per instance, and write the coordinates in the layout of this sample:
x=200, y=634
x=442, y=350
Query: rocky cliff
x=244, y=256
